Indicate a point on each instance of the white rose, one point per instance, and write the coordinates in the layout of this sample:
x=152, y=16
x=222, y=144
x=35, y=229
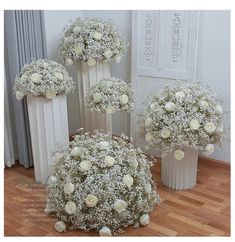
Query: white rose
x=170, y=107
x=203, y=104
x=68, y=62
x=180, y=95
x=118, y=58
x=148, y=137
x=219, y=109
x=35, y=77
x=19, y=95
x=144, y=219
x=85, y=165
x=78, y=49
x=76, y=30
x=70, y=207
x=110, y=109
x=165, y=133
x=52, y=179
x=59, y=76
x=91, y=200
x=179, y=154
x=108, y=54
x=128, y=180
x=120, y=205
x=97, y=97
x=60, y=226
x=109, y=161
x=194, y=124
x=210, y=148
x=50, y=94
x=69, y=188
x=97, y=35
x=24, y=77
x=104, y=145
x=148, y=188
x=148, y=121
x=105, y=231
x=133, y=163
x=209, y=127
x=91, y=62
x=124, y=99
x=76, y=151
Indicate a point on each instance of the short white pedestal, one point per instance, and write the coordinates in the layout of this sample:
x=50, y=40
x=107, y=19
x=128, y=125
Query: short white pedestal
x=87, y=77
x=48, y=127
x=180, y=174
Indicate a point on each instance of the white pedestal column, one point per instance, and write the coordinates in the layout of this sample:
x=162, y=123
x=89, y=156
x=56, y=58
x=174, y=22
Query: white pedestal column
x=180, y=174
x=87, y=77
x=48, y=127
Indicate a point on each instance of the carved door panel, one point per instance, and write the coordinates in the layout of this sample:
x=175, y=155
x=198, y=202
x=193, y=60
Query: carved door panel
x=164, y=47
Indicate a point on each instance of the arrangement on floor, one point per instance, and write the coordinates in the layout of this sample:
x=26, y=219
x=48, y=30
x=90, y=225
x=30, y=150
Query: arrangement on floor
x=101, y=183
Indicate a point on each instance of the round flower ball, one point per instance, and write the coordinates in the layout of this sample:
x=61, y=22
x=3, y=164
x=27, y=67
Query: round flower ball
x=183, y=114
x=91, y=40
x=43, y=78
x=110, y=95
x=110, y=194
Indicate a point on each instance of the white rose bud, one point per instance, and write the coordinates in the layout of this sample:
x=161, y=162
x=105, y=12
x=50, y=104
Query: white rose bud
x=194, y=124
x=179, y=154
x=120, y=205
x=91, y=62
x=19, y=95
x=70, y=207
x=209, y=127
x=35, y=77
x=60, y=226
x=109, y=161
x=59, y=76
x=50, y=94
x=210, y=148
x=68, y=62
x=69, y=188
x=118, y=58
x=110, y=109
x=148, y=137
x=108, y=54
x=97, y=36
x=104, y=145
x=128, y=180
x=78, y=49
x=144, y=219
x=105, y=231
x=52, y=179
x=77, y=29
x=165, y=133
x=124, y=99
x=97, y=97
x=85, y=165
x=91, y=200
x=133, y=163
x=148, y=121
x=219, y=109
x=76, y=151
x=203, y=104
x=180, y=95
x=170, y=107
x=24, y=77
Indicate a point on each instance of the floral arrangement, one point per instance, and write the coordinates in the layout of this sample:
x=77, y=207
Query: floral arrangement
x=110, y=95
x=100, y=183
x=43, y=77
x=91, y=40
x=183, y=115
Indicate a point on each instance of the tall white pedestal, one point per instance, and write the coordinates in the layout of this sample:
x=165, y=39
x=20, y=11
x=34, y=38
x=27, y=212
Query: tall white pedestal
x=180, y=174
x=87, y=77
x=48, y=127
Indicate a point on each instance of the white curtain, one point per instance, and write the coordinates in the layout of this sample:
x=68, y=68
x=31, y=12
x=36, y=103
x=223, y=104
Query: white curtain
x=9, y=158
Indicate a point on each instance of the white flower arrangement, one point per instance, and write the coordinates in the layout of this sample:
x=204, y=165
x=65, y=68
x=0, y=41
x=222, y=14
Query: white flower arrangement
x=184, y=114
x=110, y=95
x=91, y=40
x=43, y=78
x=104, y=197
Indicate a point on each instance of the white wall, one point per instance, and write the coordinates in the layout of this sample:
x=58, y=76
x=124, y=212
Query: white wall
x=213, y=64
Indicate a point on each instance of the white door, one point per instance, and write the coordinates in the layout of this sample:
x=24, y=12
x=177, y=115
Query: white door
x=164, y=47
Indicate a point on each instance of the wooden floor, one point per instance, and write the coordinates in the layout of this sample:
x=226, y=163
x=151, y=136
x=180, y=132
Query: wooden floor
x=201, y=211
